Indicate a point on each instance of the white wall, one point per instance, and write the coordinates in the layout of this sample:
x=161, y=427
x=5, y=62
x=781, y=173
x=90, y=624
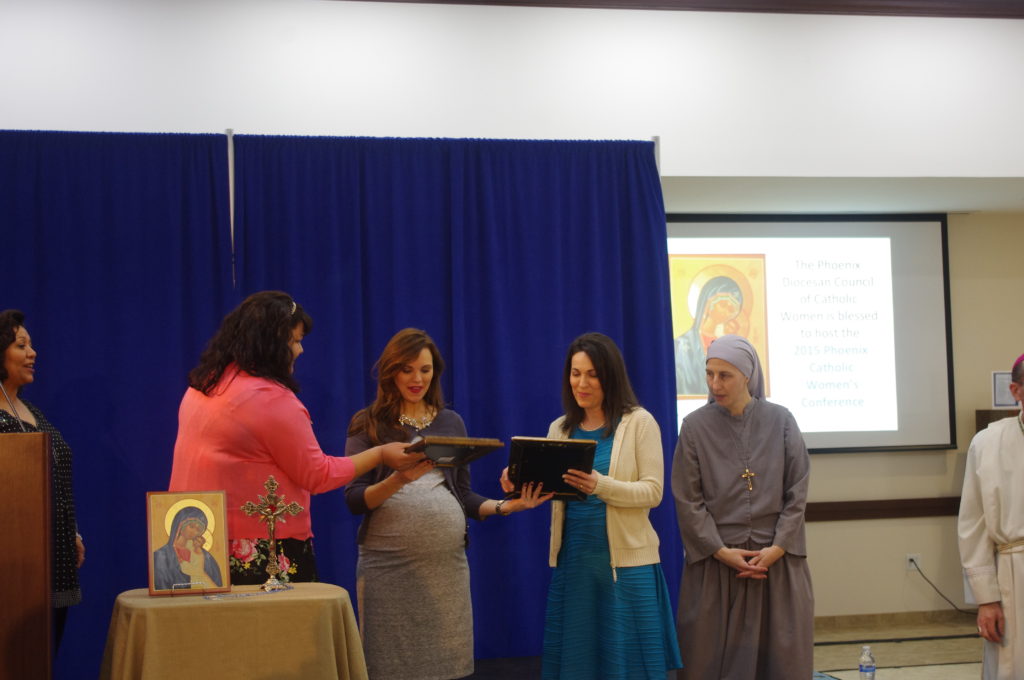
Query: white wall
x=728, y=94
x=858, y=566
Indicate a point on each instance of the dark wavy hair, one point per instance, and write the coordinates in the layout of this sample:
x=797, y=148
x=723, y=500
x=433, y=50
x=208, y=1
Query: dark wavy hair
x=10, y=321
x=619, y=398
x=380, y=419
x=1017, y=373
x=255, y=335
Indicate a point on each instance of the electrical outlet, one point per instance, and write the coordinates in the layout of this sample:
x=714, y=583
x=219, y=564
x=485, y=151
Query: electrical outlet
x=911, y=559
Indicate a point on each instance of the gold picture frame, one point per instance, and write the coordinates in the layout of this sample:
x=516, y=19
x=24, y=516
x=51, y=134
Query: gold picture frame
x=188, y=542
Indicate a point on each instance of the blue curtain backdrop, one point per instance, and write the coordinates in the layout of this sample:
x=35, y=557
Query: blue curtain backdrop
x=119, y=252
x=504, y=251
x=116, y=248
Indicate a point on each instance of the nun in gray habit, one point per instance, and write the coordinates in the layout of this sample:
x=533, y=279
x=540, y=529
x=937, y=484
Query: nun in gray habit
x=739, y=476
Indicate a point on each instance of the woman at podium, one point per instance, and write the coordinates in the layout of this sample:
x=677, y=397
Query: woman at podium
x=412, y=578
x=609, y=612
x=240, y=422
x=19, y=415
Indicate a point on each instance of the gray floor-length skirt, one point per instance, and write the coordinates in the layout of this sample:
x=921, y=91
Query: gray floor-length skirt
x=744, y=629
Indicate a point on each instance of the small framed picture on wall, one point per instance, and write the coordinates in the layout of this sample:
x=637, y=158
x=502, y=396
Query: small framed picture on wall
x=1001, y=397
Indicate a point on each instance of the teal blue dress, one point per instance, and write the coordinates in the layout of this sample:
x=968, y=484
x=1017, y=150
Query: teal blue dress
x=600, y=625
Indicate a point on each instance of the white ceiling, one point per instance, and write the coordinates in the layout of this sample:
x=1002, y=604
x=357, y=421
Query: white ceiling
x=842, y=194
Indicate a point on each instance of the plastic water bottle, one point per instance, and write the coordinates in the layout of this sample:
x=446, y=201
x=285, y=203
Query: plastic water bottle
x=867, y=663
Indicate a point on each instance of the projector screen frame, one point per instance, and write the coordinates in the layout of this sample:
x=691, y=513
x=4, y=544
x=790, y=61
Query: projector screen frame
x=941, y=219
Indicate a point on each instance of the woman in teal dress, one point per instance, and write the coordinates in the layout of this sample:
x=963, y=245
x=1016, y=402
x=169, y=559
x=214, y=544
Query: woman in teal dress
x=609, y=613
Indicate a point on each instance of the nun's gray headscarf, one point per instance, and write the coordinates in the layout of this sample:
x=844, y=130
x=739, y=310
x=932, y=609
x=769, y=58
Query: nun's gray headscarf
x=741, y=354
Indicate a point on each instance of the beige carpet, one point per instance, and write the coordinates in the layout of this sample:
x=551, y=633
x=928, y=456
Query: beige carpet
x=934, y=645
x=963, y=671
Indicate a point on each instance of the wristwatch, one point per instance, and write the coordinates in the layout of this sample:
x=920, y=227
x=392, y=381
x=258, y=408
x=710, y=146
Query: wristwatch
x=497, y=508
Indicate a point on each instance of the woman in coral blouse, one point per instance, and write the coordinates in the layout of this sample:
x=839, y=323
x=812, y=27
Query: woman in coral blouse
x=240, y=422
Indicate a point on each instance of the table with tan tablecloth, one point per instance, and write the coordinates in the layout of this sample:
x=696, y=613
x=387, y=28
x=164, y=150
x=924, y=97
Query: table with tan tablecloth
x=309, y=631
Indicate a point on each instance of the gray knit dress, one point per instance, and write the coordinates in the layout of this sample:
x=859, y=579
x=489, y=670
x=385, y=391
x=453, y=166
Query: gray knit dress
x=412, y=580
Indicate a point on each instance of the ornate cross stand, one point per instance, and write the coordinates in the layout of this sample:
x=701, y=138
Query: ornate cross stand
x=270, y=508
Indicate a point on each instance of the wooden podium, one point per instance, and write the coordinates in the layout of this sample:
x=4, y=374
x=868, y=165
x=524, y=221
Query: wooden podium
x=26, y=626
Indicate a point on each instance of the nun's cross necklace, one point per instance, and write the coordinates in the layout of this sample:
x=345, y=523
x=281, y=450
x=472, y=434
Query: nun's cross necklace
x=749, y=477
x=741, y=442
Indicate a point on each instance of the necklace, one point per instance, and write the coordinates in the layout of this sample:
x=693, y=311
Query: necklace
x=14, y=411
x=1020, y=421
x=417, y=423
x=741, y=449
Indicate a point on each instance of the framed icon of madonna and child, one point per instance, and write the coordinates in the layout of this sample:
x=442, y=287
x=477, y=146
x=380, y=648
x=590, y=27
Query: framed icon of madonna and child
x=188, y=542
x=715, y=295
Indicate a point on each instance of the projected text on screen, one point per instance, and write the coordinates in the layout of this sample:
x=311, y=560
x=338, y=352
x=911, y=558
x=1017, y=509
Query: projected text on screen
x=818, y=310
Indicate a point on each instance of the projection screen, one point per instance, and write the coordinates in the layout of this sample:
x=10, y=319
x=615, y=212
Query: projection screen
x=850, y=314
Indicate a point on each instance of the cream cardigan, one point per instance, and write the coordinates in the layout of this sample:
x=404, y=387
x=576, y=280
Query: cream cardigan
x=631, y=488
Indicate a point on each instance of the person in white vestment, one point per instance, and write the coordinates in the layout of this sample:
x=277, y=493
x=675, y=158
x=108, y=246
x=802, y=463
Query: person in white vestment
x=991, y=533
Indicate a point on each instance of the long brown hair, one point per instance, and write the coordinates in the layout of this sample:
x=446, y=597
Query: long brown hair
x=610, y=367
x=380, y=419
x=255, y=336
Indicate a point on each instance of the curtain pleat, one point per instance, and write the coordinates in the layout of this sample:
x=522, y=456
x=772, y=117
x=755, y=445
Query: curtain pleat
x=116, y=248
x=503, y=251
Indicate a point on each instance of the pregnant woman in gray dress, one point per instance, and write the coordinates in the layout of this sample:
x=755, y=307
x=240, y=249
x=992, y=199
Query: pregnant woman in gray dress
x=412, y=580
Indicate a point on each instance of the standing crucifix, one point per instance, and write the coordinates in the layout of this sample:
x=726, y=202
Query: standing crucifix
x=748, y=476
x=271, y=508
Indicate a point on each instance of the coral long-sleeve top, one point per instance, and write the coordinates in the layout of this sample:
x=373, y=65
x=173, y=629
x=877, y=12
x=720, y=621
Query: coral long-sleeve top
x=245, y=430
